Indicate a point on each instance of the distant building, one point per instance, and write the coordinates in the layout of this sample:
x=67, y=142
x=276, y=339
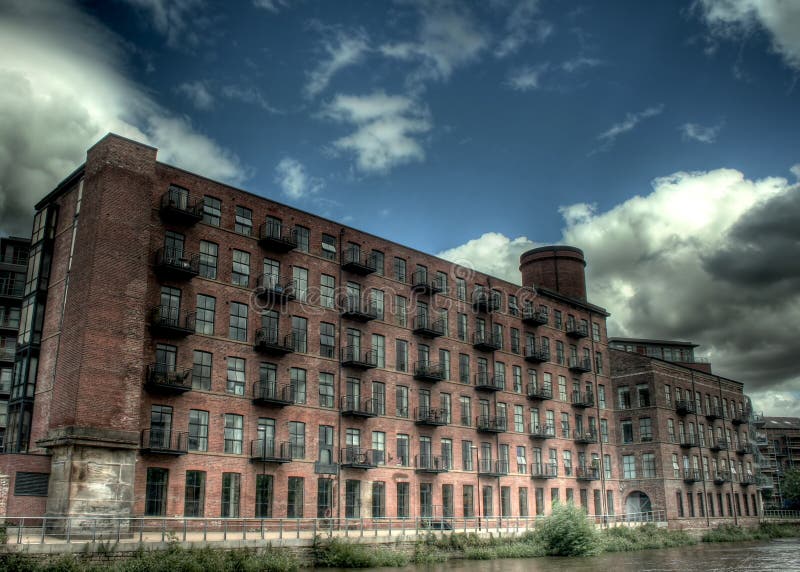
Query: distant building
x=779, y=443
x=667, y=350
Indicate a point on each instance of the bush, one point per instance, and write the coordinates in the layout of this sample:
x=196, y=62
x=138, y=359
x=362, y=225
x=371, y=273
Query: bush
x=567, y=532
x=645, y=537
x=335, y=553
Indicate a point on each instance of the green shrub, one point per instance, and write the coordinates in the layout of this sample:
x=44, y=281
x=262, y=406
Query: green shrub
x=567, y=532
x=645, y=537
x=335, y=553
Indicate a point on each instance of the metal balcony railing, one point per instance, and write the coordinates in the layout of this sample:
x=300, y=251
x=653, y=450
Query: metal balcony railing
x=692, y=476
x=715, y=412
x=580, y=365
x=539, y=393
x=721, y=477
x=276, y=289
x=177, y=263
x=719, y=445
x=274, y=237
x=354, y=308
x=485, y=301
x=544, y=470
x=159, y=441
x=486, y=342
x=534, y=354
x=12, y=288
x=430, y=464
x=354, y=407
x=486, y=382
x=423, y=325
x=688, y=441
x=269, y=341
x=587, y=473
x=421, y=282
x=177, y=207
x=168, y=321
x=431, y=416
x=491, y=424
x=685, y=407
x=424, y=371
x=166, y=378
x=269, y=451
x=354, y=261
x=271, y=393
x=540, y=432
x=577, y=329
x=491, y=468
x=358, y=458
x=534, y=317
x=582, y=399
x=357, y=358
x=585, y=436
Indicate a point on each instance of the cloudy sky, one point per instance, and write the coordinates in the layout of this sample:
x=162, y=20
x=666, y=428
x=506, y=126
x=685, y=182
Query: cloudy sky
x=663, y=138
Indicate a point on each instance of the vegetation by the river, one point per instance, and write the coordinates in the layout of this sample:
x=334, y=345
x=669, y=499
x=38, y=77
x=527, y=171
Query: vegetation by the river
x=767, y=531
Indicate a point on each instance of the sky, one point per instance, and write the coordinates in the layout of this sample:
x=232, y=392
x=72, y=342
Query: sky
x=662, y=138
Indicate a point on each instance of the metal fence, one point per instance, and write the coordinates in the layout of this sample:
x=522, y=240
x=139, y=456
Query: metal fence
x=89, y=529
x=781, y=515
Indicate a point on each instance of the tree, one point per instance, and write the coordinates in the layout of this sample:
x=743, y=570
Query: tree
x=790, y=489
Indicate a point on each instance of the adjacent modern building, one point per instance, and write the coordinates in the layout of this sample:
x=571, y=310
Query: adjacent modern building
x=188, y=348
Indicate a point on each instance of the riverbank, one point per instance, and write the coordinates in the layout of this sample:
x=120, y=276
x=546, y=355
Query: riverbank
x=561, y=536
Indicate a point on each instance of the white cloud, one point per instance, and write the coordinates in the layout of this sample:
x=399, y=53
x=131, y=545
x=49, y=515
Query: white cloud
x=198, y=94
x=273, y=6
x=522, y=27
x=780, y=19
x=796, y=170
x=293, y=179
x=527, y=78
x=608, y=137
x=448, y=37
x=341, y=52
x=385, y=129
x=580, y=63
x=248, y=95
x=175, y=19
x=700, y=133
x=711, y=257
x=62, y=91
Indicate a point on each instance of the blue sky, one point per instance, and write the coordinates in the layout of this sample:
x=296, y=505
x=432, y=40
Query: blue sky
x=662, y=138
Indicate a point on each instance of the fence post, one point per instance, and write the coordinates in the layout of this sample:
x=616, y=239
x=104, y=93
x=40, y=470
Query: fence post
x=94, y=530
x=20, y=526
x=298, y=528
x=44, y=526
x=141, y=531
x=205, y=529
x=184, y=530
x=280, y=528
x=315, y=528
x=361, y=526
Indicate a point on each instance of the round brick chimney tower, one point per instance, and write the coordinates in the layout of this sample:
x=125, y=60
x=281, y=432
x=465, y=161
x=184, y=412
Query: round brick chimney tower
x=559, y=268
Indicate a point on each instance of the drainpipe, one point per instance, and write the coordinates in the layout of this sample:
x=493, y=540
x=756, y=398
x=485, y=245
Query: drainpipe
x=601, y=468
x=733, y=506
x=340, y=393
x=697, y=425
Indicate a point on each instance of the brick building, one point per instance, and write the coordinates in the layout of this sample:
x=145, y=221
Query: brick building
x=203, y=351
x=779, y=444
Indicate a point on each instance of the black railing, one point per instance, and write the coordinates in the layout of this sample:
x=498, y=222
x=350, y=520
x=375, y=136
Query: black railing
x=177, y=206
x=685, y=407
x=543, y=432
x=354, y=261
x=168, y=320
x=492, y=468
x=177, y=262
x=719, y=445
x=274, y=288
x=167, y=378
x=269, y=341
x=358, y=458
x=485, y=301
x=533, y=317
x=357, y=407
x=741, y=418
x=715, y=412
x=544, y=470
x=585, y=436
x=274, y=237
x=491, y=424
x=582, y=399
x=722, y=477
x=433, y=416
x=486, y=382
x=537, y=392
x=269, y=451
x=577, y=329
x=12, y=288
x=430, y=464
x=587, y=473
x=164, y=441
x=583, y=365
x=486, y=342
x=692, y=476
x=535, y=354
x=688, y=441
x=354, y=308
x=358, y=358
x=425, y=326
x=424, y=371
x=420, y=282
x=271, y=393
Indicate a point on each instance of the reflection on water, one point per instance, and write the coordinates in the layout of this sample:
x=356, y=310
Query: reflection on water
x=782, y=555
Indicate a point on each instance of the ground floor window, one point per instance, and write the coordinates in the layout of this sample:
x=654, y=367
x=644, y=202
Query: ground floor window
x=403, y=503
x=352, y=499
x=195, y=493
x=294, y=501
x=264, y=495
x=230, y=495
x=324, y=497
x=155, y=496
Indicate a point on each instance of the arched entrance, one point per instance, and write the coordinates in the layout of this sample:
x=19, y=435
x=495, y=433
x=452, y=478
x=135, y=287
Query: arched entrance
x=636, y=504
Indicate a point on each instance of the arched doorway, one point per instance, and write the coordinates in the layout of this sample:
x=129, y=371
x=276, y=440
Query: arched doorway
x=636, y=504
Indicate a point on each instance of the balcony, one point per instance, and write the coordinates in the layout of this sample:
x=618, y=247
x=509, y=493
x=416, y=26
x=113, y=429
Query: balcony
x=714, y=412
x=587, y=473
x=486, y=342
x=536, y=355
x=158, y=441
x=11, y=289
x=358, y=359
x=687, y=442
x=582, y=399
x=720, y=478
x=692, y=476
x=167, y=322
x=424, y=371
x=422, y=284
x=585, y=437
x=430, y=464
x=719, y=445
x=741, y=419
x=542, y=432
x=353, y=308
x=535, y=318
x=176, y=264
x=177, y=208
x=544, y=471
x=268, y=451
x=165, y=378
x=432, y=417
x=361, y=408
x=424, y=326
x=8, y=354
x=273, y=237
x=357, y=458
x=483, y=301
x=269, y=342
x=490, y=468
x=271, y=394
x=274, y=289
x=486, y=382
x=580, y=365
x=747, y=480
x=9, y=324
x=577, y=330
x=357, y=263
x=757, y=420
x=743, y=449
x=685, y=407
x=538, y=393
x=488, y=424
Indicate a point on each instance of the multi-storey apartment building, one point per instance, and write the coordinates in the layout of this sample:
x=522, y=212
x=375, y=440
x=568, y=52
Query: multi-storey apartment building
x=685, y=438
x=13, y=263
x=778, y=441
x=205, y=351
x=669, y=350
x=188, y=348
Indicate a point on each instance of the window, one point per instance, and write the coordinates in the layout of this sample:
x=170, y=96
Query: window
x=297, y=439
x=377, y=299
x=301, y=234
x=352, y=499
x=401, y=313
x=463, y=368
x=378, y=499
x=462, y=327
x=505, y=501
x=201, y=370
x=244, y=221
x=595, y=332
x=446, y=407
x=466, y=410
x=598, y=362
x=466, y=456
x=444, y=362
x=628, y=467
x=488, y=501
x=300, y=277
x=240, y=274
x=233, y=433
x=379, y=260
x=297, y=379
x=212, y=210
x=294, y=502
x=559, y=320
x=328, y=247
x=468, y=501
x=447, y=453
x=403, y=500
x=560, y=352
x=645, y=429
x=648, y=465
x=208, y=259
x=567, y=455
x=204, y=318
x=643, y=395
x=402, y=450
x=562, y=388
x=198, y=430
x=522, y=461
x=401, y=355
x=445, y=321
x=607, y=466
x=379, y=397
x=399, y=267
x=326, y=291
x=517, y=378
x=327, y=340
x=624, y=397
x=401, y=400
x=626, y=429
x=155, y=496
x=604, y=430
x=514, y=340
x=379, y=349
x=194, y=498
x=238, y=322
x=265, y=490
x=519, y=419
x=601, y=396
x=236, y=376
x=326, y=392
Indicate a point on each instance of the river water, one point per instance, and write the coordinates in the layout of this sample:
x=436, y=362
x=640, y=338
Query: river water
x=782, y=555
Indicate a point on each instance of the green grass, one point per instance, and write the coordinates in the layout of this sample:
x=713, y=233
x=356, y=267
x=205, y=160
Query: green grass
x=335, y=553
x=646, y=537
x=767, y=531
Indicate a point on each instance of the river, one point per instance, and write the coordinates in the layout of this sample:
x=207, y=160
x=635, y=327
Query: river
x=782, y=555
